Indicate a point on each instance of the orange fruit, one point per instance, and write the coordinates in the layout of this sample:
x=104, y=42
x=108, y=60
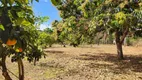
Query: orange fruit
x=11, y=42
x=20, y=49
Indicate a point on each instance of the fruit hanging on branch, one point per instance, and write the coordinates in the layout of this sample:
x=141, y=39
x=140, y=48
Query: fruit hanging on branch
x=11, y=42
x=19, y=50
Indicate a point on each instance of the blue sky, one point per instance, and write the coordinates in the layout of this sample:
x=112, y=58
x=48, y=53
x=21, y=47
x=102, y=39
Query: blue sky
x=45, y=8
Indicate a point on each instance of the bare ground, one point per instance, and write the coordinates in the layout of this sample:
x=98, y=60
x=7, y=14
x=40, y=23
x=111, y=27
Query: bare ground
x=84, y=63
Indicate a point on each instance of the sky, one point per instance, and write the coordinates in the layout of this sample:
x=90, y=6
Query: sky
x=45, y=8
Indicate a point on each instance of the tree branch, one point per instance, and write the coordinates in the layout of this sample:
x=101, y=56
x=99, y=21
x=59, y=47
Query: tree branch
x=124, y=34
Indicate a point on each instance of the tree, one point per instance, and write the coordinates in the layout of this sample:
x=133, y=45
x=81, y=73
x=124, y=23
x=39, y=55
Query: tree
x=69, y=31
x=58, y=33
x=120, y=20
x=112, y=16
x=17, y=34
x=45, y=39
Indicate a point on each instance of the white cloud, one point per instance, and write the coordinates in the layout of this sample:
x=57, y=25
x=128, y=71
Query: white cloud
x=43, y=26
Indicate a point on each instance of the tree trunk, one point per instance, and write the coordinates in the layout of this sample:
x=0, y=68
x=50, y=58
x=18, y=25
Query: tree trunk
x=50, y=45
x=21, y=69
x=35, y=59
x=119, y=45
x=64, y=45
x=97, y=41
x=4, y=68
x=119, y=51
x=3, y=63
x=120, y=40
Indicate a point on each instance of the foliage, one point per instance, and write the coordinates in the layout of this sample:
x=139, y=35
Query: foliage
x=103, y=17
x=46, y=38
x=18, y=32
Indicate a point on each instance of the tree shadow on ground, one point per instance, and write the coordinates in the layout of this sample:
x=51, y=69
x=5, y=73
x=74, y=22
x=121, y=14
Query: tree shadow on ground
x=54, y=52
x=111, y=62
x=50, y=64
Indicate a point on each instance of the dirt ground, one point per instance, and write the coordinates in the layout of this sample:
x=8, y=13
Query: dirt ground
x=84, y=63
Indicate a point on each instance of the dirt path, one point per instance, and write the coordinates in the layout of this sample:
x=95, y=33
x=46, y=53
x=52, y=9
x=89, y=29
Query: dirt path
x=85, y=63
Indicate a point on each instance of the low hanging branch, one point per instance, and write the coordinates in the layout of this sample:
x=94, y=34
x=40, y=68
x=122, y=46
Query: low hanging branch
x=124, y=34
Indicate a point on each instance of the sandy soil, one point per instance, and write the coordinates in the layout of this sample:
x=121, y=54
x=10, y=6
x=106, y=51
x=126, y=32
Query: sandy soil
x=84, y=63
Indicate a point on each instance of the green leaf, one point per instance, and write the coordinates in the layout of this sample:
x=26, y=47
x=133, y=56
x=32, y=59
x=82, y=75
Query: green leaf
x=14, y=14
x=114, y=23
x=11, y=2
x=26, y=1
x=22, y=21
x=19, y=21
x=37, y=0
x=2, y=27
x=56, y=2
x=3, y=1
x=26, y=23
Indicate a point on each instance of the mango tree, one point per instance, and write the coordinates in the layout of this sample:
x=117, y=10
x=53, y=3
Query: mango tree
x=51, y=39
x=118, y=17
x=74, y=26
x=69, y=31
x=111, y=16
x=45, y=39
